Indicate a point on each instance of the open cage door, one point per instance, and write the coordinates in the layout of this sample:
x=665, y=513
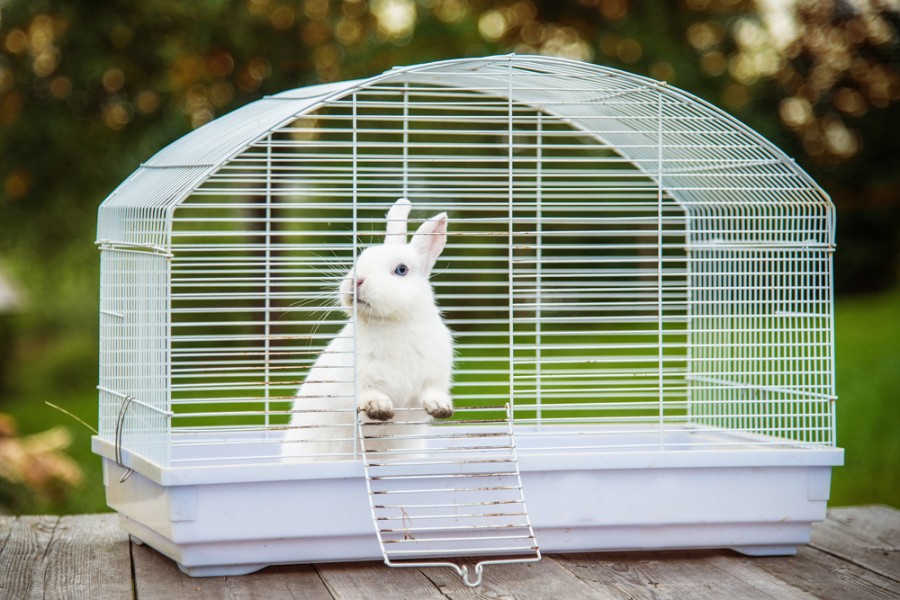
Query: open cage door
x=461, y=496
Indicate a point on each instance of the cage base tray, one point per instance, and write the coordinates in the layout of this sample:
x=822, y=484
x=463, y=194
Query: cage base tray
x=759, y=500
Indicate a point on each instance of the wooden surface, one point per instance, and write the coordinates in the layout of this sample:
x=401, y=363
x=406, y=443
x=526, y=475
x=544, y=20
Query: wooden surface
x=855, y=554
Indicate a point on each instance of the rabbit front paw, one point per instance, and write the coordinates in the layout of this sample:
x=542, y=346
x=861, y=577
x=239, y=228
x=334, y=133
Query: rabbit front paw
x=376, y=405
x=437, y=403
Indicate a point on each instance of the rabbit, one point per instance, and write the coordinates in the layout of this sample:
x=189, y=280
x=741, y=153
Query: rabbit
x=403, y=349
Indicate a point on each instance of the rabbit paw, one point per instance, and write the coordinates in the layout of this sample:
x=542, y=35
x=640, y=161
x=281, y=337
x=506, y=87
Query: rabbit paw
x=437, y=403
x=376, y=405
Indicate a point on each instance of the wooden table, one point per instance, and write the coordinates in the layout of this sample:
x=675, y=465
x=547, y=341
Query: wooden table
x=854, y=554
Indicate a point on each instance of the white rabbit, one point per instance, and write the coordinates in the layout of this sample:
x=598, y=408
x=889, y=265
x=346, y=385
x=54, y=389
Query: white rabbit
x=404, y=350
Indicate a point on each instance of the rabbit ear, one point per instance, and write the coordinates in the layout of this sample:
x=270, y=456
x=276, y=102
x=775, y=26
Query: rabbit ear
x=430, y=239
x=395, y=231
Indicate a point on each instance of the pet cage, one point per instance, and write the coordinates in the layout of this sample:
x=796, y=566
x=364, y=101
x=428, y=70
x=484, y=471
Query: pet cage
x=639, y=288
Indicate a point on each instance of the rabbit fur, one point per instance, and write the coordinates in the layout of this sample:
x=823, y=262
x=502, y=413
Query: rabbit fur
x=404, y=350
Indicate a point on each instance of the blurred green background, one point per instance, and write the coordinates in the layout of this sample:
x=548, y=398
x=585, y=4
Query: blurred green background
x=87, y=93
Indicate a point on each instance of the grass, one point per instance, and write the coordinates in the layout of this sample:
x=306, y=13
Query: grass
x=868, y=410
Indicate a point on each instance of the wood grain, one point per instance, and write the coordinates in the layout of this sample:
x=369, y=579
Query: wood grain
x=854, y=556
x=6, y=523
x=826, y=576
x=157, y=577
x=300, y=582
x=375, y=581
x=701, y=575
x=22, y=566
x=88, y=558
x=545, y=580
x=867, y=536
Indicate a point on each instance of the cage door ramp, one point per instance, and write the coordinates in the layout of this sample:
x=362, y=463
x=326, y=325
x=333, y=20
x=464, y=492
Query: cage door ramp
x=440, y=493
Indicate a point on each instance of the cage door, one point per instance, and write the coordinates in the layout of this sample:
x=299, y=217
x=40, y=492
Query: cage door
x=457, y=495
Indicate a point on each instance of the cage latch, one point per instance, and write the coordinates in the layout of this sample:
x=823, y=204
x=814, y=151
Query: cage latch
x=120, y=430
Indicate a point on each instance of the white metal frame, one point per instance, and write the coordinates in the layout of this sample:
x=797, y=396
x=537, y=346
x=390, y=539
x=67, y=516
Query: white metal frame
x=627, y=264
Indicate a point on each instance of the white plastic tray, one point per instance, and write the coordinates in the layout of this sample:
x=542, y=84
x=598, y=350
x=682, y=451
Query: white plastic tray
x=703, y=490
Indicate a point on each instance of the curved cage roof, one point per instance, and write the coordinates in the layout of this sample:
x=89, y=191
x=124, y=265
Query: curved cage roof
x=707, y=161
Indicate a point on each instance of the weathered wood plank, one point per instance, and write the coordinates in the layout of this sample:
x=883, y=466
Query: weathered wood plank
x=854, y=556
x=158, y=577
x=375, y=581
x=297, y=582
x=868, y=536
x=699, y=575
x=544, y=580
x=88, y=557
x=826, y=576
x=21, y=560
x=6, y=523
x=743, y=568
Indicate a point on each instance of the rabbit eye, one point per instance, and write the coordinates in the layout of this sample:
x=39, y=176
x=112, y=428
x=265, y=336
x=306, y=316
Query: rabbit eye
x=401, y=270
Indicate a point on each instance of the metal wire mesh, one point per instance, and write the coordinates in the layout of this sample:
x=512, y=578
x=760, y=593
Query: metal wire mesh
x=625, y=263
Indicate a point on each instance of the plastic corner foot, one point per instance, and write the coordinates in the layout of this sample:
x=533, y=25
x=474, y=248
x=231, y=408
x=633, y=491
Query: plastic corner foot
x=221, y=570
x=766, y=550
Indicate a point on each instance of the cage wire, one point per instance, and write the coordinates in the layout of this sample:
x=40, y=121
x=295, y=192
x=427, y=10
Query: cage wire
x=627, y=267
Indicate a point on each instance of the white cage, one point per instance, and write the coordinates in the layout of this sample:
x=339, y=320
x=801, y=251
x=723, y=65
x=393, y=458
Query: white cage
x=643, y=280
